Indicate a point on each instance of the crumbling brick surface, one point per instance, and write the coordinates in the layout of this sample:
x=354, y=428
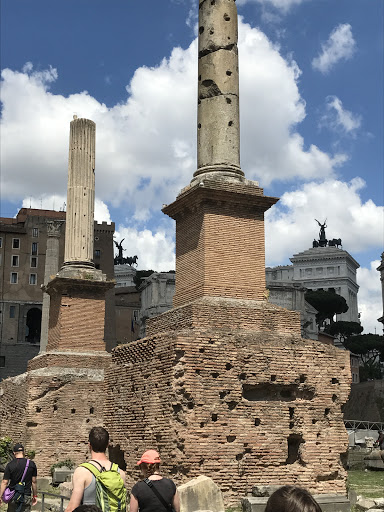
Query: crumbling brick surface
x=13, y=404
x=216, y=312
x=57, y=402
x=241, y=407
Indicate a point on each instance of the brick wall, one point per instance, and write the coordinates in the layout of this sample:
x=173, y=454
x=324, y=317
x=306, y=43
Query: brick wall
x=13, y=404
x=242, y=407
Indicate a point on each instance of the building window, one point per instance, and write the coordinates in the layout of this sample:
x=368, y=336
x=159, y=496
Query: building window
x=12, y=311
x=97, y=253
x=13, y=277
x=33, y=262
x=35, y=232
x=34, y=248
x=15, y=243
x=15, y=261
x=32, y=278
x=2, y=361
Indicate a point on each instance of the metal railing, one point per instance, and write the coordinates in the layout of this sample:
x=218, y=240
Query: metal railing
x=43, y=494
x=364, y=425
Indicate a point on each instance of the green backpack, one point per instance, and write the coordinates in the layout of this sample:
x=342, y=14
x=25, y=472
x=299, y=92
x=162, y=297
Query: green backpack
x=111, y=495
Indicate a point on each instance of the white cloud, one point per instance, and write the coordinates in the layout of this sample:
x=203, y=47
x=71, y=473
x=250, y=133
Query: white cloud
x=155, y=251
x=339, y=46
x=283, y=5
x=59, y=203
x=146, y=146
x=339, y=119
x=290, y=225
x=370, y=298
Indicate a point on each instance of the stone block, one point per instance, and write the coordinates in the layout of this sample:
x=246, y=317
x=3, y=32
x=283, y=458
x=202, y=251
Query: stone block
x=61, y=475
x=217, y=25
x=221, y=68
x=327, y=502
x=200, y=494
x=379, y=502
x=365, y=504
x=66, y=489
x=44, y=484
x=260, y=491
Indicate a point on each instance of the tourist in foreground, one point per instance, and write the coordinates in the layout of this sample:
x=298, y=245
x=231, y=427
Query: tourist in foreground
x=292, y=499
x=154, y=492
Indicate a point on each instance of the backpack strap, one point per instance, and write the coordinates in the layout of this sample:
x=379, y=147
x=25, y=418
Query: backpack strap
x=167, y=506
x=25, y=471
x=87, y=465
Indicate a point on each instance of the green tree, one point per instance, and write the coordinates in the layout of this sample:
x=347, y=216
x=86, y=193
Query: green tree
x=328, y=304
x=344, y=330
x=370, y=348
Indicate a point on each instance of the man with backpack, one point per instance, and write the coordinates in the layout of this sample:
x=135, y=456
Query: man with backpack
x=20, y=479
x=98, y=482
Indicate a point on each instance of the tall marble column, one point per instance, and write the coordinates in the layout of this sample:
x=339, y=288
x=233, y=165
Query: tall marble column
x=218, y=129
x=51, y=268
x=81, y=194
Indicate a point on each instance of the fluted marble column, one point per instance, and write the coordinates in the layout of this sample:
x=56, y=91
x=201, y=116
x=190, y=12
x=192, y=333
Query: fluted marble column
x=81, y=194
x=218, y=129
x=51, y=268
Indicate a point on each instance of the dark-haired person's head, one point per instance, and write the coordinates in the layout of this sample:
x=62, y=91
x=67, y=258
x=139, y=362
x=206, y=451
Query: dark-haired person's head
x=292, y=499
x=87, y=508
x=98, y=439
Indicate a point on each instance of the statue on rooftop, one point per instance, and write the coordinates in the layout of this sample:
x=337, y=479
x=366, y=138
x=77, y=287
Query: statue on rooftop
x=119, y=260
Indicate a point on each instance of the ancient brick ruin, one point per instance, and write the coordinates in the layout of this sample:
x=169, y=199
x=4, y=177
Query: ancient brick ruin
x=224, y=385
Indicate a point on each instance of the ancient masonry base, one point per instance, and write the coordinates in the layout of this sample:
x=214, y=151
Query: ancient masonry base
x=229, y=389
x=61, y=397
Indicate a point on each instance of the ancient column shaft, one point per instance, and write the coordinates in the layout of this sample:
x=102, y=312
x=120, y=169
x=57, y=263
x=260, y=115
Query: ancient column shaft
x=51, y=268
x=218, y=129
x=81, y=193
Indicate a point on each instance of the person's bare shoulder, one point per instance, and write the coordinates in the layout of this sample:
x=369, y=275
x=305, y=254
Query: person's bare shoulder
x=81, y=475
x=122, y=474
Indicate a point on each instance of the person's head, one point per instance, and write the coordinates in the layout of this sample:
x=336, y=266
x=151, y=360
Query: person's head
x=292, y=499
x=18, y=450
x=87, y=508
x=149, y=463
x=98, y=439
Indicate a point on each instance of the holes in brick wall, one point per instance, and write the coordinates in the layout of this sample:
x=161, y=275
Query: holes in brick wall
x=223, y=394
x=116, y=455
x=55, y=407
x=314, y=421
x=294, y=441
x=178, y=355
x=327, y=411
x=273, y=378
x=31, y=424
x=214, y=417
x=325, y=478
x=303, y=378
x=228, y=366
x=291, y=425
x=227, y=17
x=91, y=410
x=87, y=420
x=335, y=381
x=73, y=411
x=291, y=412
x=242, y=376
x=202, y=424
x=202, y=350
x=190, y=405
x=279, y=392
x=176, y=408
x=239, y=456
x=231, y=405
x=215, y=375
x=334, y=398
x=198, y=372
x=257, y=422
x=230, y=439
x=38, y=409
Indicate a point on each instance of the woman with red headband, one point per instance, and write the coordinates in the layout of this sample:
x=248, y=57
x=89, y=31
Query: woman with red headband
x=154, y=493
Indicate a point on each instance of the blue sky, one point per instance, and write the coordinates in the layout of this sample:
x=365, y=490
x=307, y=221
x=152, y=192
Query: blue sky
x=311, y=82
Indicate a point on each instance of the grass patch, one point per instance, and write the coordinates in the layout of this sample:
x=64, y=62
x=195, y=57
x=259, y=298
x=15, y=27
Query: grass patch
x=370, y=484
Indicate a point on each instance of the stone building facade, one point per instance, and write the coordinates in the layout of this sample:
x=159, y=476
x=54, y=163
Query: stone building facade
x=23, y=245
